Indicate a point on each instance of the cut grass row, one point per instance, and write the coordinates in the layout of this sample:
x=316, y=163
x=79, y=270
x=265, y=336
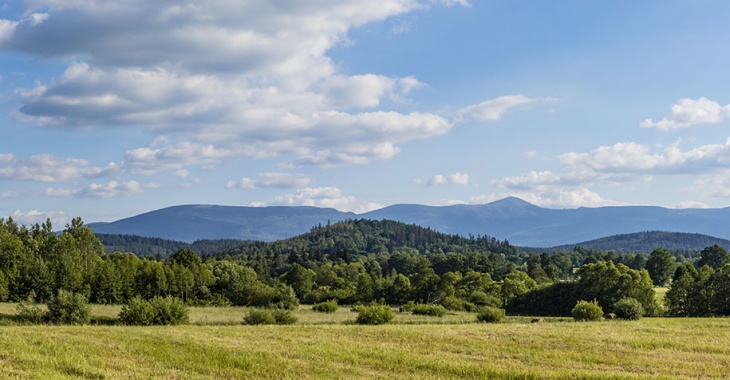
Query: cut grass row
x=652, y=348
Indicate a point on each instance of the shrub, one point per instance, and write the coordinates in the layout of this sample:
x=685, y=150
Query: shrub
x=374, y=315
x=259, y=317
x=68, y=308
x=326, y=307
x=169, y=311
x=407, y=307
x=30, y=312
x=137, y=312
x=628, y=308
x=490, y=314
x=284, y=317
x=483, y=299
x=587, y=311
x=432, y=310
x=453, y=303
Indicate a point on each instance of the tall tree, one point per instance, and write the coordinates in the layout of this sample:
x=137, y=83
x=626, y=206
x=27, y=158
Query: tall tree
x=661, y=266
x=714, y=256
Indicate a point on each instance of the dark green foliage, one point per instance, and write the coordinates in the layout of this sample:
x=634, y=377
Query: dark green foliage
x=374, y=315
x=661, y=265
x=714, y=256
x=284, y=317
x=68, y=308
x=259, y=317
x=430, y=310
x=489, y=314
x=557, y=299
x=628, y=308
x=585, y=311
x=644, y=242
x=169, y=311
x=326, y=307
x=163, y=248
x=137, y=312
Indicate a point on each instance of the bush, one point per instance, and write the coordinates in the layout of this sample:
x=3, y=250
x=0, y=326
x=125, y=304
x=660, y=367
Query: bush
x=483, y=299
x=407, y=307
x=137, y=312
x=490, y=314
x=30, y=312
x=628, y=308
x=374, y=315
x=169, y=311
x=431, y=310
x=259, y=317
x=587, y=311
x=284, y=317
x=453, y=303
x=68, y=308
x=326, y=307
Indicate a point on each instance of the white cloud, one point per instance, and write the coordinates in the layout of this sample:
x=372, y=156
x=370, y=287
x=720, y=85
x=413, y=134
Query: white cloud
x=493, y=109
x=47, y=168
x=618, y=165
x=114, y=188
x=229, y=80
x=691, y=204
x=272, y=181
x=689, y=112
x=328, y=197
x=9, y=194
x=57, y=218
x=440, y=179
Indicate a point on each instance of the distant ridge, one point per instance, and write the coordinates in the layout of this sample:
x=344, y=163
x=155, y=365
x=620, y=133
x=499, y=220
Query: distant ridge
x=641, y=242
x=512, y=219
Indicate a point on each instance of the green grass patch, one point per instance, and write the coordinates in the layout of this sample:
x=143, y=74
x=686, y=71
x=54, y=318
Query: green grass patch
x=647, y=349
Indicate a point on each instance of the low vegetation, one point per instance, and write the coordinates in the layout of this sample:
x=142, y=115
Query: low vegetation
x=585, y=311
x=651, y=348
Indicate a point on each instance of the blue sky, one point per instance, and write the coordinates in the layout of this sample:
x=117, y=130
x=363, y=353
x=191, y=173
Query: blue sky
x=111, y=109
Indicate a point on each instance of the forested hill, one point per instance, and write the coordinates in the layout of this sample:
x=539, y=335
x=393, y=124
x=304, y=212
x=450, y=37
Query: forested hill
x=363, y=236
x=643, y=242
x=163, y=248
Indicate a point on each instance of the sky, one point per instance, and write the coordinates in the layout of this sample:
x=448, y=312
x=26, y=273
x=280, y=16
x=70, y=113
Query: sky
x=109, y=109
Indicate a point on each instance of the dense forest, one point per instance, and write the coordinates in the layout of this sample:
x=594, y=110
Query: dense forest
x=162, y=248
x=360, y=261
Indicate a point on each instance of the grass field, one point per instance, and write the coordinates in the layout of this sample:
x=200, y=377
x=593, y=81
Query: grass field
x=216, y=346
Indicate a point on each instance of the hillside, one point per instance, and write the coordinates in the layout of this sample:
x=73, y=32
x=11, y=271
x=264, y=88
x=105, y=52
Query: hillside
x=207, y=222
x=512, y=219
x=642, y=242
x=154, y=247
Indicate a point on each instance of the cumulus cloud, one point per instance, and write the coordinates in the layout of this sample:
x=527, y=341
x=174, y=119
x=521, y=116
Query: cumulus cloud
x=230, y=80
x=328, y=197
x=48, y=168
x=617, y=165
x=272, y=181
x=690, y=112
x=454, y=179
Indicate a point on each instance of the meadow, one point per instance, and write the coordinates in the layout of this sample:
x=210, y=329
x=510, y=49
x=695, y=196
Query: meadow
x=216, y=346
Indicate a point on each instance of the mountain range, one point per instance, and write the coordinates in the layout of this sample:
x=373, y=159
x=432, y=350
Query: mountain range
x=512, y=219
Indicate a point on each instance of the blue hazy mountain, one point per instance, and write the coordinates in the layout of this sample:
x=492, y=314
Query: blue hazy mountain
x=519, y=222
x=199, y=222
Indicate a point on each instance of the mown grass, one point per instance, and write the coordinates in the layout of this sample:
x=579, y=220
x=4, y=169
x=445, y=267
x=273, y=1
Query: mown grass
x=651, y=348
x=217, y=346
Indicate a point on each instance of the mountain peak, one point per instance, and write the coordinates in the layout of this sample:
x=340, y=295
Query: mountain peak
x=511, y=202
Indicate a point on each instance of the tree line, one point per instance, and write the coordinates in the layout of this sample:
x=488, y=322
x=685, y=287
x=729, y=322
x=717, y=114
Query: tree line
x=359, y=262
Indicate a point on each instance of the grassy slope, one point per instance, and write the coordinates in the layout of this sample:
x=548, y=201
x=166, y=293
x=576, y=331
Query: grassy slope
x=650, y=348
